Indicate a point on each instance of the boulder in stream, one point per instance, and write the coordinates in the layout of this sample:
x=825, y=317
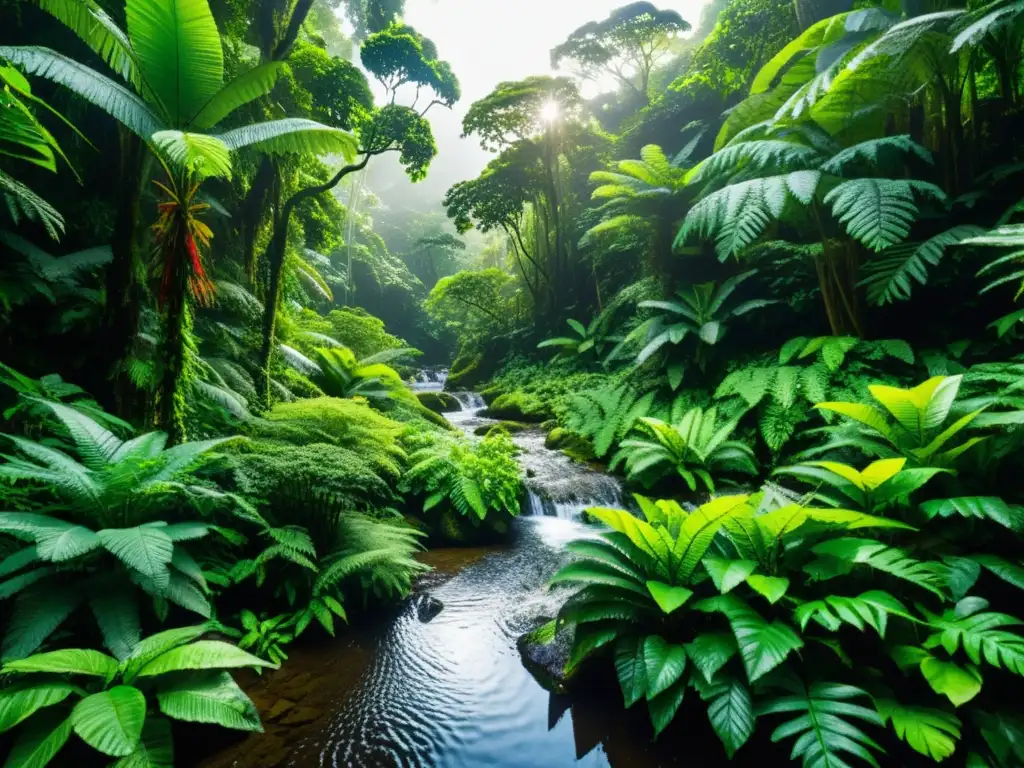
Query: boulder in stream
x=512, y=427
x=439, y=402
x=427, y=607
x=545, y=651
x=518, y=406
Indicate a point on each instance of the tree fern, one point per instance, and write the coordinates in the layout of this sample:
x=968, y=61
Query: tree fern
x=879, y=212
x=740, y=213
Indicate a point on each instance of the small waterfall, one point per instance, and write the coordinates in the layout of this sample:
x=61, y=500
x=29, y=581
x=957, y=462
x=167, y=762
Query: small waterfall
x=429, y=380
x=536, y=506
x=470, y=401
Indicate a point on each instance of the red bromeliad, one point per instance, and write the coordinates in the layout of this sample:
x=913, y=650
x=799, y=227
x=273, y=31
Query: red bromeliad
x=179, y=236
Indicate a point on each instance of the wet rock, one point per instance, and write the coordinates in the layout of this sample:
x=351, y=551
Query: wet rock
x=301, y=716
x=280, y=707
x=531, y=473
x=545, y=656
x=574, y=446
x=427, y=607
x=491, y=393
x=517, y=406
x=439, y=402
x=512, y=427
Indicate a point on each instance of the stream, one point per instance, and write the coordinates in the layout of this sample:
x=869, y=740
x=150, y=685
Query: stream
x=452, y=690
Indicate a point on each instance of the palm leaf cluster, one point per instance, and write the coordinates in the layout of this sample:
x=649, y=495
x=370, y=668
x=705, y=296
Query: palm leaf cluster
x=695, y=447
x=120, y=706
x=116, y=528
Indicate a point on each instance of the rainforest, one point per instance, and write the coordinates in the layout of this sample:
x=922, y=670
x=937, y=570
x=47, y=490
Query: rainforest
x=524, y=384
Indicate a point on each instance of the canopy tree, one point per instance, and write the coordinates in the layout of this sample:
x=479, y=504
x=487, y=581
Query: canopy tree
x=535, y=109
x=626, y=46
x=435, y=252
x=396, y=56
x=499, y=199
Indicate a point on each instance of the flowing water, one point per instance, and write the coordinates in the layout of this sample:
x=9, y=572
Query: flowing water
x=452, y=690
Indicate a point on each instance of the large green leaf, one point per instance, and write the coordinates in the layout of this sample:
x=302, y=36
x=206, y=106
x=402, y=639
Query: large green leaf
x=876, y=555
x=932, y=732
x=37, y=613
x=868, y=609
x=114, y=99
x=667, y=597
x=201, y=155
x=146, y=549
x=981, y=637
x=632, y=669
x=596, y=573
x=156, y=750
x=730, y=711
x=711, y=651
x=665, y=664
x=111, y=721
x=202, y=654
x=823, y=723
x=209, y=698
x=94, y=443
x=763, y=645
x=978, y=507
x=22, y=700
x=247, y=87
x=728, y=574
x=97, y=30
x=699, y=530
x=155, y=645
x=39, y=741
x=958, y=683
x=292, y=136
x=71, y=661
x=61, y=544
x=117, y=614
x=179, y=55
x=663, y=708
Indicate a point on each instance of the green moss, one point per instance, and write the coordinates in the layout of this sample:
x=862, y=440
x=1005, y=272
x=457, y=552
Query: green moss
x=491, y=393
x=299, y=385
x=574, y=446
x=438, y=402
x=518, y=406
x=465, y=370
x=266, y=469
x=510, y=427
x=345, y=423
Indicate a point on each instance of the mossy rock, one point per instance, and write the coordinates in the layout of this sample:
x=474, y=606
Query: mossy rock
x=518, y=406
x=465, y=372
x=491, y=393
x=571, y=444
x=438, y=402
x=512, y=427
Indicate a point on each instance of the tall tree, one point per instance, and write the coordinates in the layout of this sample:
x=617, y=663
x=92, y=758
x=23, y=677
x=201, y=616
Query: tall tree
x=536, y=110
x=397, y=56
x=626, y=46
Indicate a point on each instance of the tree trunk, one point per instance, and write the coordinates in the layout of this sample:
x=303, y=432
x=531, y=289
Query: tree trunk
x=550, y=158
x=251, y=214
x=172, y=400
x=275, y=258
x=123, y=289
x=837, y=269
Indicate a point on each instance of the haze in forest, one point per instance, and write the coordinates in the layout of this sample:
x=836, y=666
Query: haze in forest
x=486, y=42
